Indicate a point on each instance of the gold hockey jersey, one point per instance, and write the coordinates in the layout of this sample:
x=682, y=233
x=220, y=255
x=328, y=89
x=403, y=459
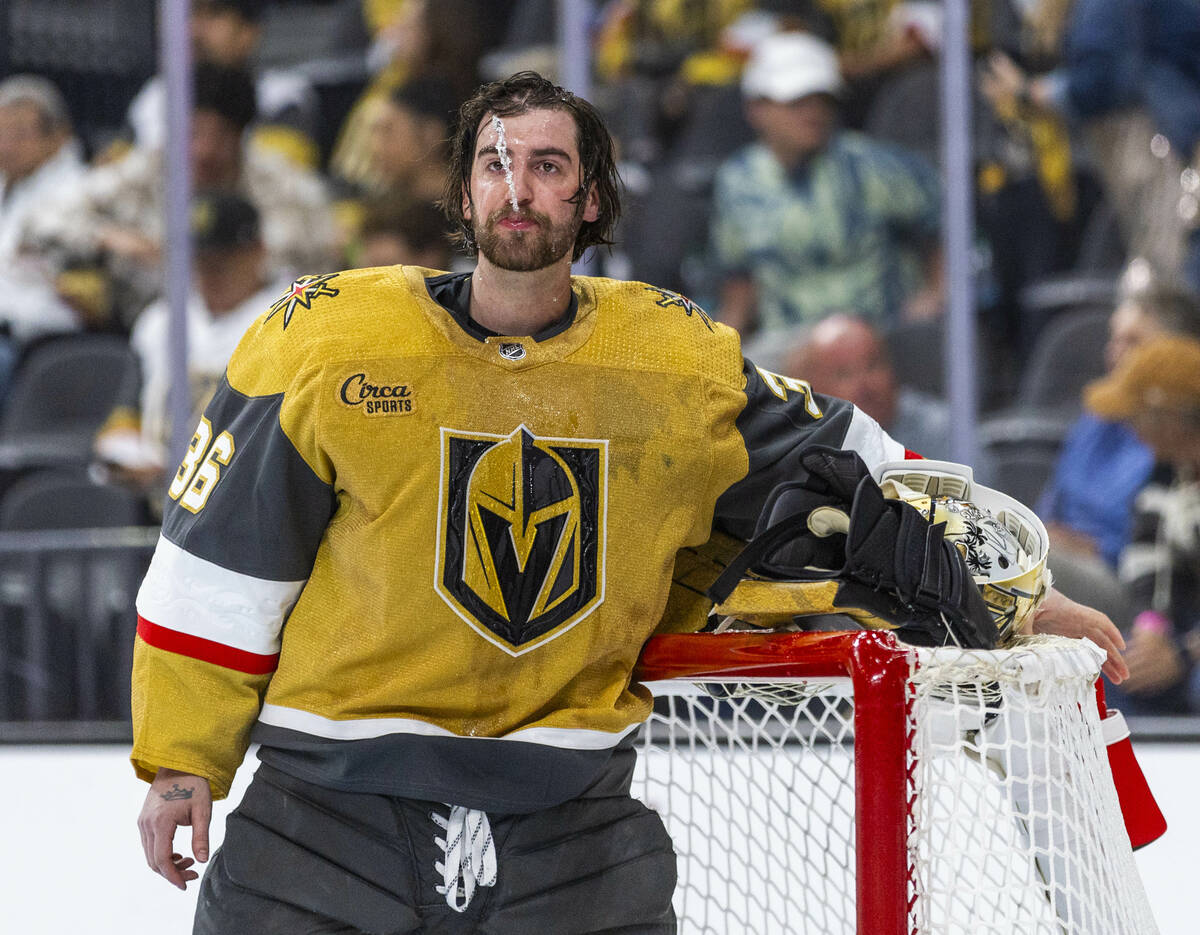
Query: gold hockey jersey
x=413, y=560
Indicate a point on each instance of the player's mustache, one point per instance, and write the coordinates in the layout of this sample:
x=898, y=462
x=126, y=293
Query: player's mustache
x=503, y=214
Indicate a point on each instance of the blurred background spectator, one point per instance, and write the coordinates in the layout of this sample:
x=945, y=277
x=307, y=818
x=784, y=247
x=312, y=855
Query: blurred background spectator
x=113, y=219
x=441, y=40
x=407, y=155
x=1130, y=76
x=232, y=289
x=408, y=141
x=409, y=232
x=228, y=33
x=1087, y=503
x=846, y=356
x=39, y=157
x=811, y=218
x=1156, y=390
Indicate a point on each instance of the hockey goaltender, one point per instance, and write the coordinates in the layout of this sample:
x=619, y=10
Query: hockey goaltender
x=428, y=619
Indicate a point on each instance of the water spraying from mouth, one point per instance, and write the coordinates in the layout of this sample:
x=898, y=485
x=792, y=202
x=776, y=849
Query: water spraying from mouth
x=505, y=159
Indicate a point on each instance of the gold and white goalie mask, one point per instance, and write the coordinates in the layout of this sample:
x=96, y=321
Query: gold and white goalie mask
x=1003, y=541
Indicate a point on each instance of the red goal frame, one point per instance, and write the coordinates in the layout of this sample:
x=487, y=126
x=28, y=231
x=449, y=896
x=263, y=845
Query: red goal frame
x=879, y=668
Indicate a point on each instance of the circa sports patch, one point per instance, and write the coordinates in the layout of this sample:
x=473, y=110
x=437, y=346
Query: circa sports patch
x=302, y=294
x=373, y=396
x=521, y=533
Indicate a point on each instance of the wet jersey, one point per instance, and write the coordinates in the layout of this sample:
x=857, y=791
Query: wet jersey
x=409, y=557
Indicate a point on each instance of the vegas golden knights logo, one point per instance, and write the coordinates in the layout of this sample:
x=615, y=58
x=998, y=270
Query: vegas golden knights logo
x=521, y=535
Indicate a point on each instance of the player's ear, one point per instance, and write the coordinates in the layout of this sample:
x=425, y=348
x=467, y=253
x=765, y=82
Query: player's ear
x=466, y=204
x=591, y=204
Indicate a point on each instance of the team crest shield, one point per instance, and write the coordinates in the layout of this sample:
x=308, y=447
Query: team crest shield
x=521, y=537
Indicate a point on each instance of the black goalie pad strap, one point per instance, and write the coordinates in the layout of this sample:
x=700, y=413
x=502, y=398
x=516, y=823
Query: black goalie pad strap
x=782, y=546
x=788, y=530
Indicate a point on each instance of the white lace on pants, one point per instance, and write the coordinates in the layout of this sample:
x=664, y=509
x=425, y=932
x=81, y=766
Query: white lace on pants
x=470, y=854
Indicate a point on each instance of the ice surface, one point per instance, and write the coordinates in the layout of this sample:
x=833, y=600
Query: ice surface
x=71, y=861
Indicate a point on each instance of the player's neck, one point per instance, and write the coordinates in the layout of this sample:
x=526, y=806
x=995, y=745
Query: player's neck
x=519, y=303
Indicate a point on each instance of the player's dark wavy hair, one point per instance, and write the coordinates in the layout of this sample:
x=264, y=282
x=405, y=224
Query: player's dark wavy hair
x=518, y=94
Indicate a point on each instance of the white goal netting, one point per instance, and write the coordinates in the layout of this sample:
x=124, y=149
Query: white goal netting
x=989, y=804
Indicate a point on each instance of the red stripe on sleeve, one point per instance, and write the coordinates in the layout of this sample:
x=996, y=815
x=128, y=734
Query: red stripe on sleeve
x=197, y=647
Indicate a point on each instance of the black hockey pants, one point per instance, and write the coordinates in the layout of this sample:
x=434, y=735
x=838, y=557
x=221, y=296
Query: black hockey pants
x=300, y=859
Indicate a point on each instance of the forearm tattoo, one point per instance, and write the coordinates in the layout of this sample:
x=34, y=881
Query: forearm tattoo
x=177, y=792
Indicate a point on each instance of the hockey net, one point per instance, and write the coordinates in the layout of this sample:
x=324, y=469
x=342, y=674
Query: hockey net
x=842, y=782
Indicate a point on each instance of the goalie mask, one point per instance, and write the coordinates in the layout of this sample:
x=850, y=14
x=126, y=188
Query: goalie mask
x=1003, y=542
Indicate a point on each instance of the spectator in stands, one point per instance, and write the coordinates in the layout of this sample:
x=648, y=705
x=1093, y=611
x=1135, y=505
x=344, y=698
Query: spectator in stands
x=227, y=33
x=407, y=156
x=811, y=219
x=440, y=40
x=408, y=141
x=1156, y=390
x=845, y=356
x=1103, y=465
x=232, y=289
x=1130, y=77
x=410, y=233
x=39, y=156
x=116, y=214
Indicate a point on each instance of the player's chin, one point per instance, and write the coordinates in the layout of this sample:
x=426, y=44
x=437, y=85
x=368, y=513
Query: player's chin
x=523, y=256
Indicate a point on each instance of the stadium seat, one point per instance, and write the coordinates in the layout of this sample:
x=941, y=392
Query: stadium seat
x=62, y=392
x=918, y=355
x=1018, y=451
x=65, y=616
x=1068, y=354
x=1069, y=292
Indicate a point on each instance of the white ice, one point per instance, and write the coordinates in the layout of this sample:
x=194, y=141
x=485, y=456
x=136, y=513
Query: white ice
x=71, y=860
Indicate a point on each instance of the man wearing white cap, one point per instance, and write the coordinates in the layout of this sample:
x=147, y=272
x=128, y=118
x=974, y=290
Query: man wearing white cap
x=811, y=219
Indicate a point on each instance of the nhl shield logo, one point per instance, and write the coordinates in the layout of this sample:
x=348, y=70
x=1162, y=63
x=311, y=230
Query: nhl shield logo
x=521, y=534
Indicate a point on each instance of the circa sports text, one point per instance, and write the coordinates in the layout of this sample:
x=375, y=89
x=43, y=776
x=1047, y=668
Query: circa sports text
x=376, y=398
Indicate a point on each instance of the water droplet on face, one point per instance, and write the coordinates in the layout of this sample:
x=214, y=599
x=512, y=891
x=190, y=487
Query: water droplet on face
x=505, y=159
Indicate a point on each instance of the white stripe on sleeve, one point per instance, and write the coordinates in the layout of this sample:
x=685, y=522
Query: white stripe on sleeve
x=873, y=444
x=191, y=595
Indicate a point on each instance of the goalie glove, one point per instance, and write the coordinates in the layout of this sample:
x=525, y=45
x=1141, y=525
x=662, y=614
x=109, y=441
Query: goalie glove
x=834, y=544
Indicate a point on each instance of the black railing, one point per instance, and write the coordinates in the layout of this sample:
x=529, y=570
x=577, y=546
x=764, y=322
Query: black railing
x=67, y=622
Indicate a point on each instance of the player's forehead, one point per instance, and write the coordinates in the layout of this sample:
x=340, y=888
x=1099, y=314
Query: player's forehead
x=540, y=129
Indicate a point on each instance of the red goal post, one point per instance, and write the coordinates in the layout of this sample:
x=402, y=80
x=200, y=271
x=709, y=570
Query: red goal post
x=841, y=782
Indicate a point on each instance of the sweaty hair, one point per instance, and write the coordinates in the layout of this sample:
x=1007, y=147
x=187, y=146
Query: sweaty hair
x=519, y=94
x=226, y=91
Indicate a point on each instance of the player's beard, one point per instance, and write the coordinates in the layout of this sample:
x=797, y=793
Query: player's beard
x=528, y=250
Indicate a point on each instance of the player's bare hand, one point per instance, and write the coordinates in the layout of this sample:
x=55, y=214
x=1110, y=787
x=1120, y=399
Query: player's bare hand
x=175, y=799
x=1062, y=616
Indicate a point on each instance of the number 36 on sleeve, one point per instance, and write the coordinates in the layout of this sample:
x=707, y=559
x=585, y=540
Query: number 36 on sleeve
x=201, y=467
